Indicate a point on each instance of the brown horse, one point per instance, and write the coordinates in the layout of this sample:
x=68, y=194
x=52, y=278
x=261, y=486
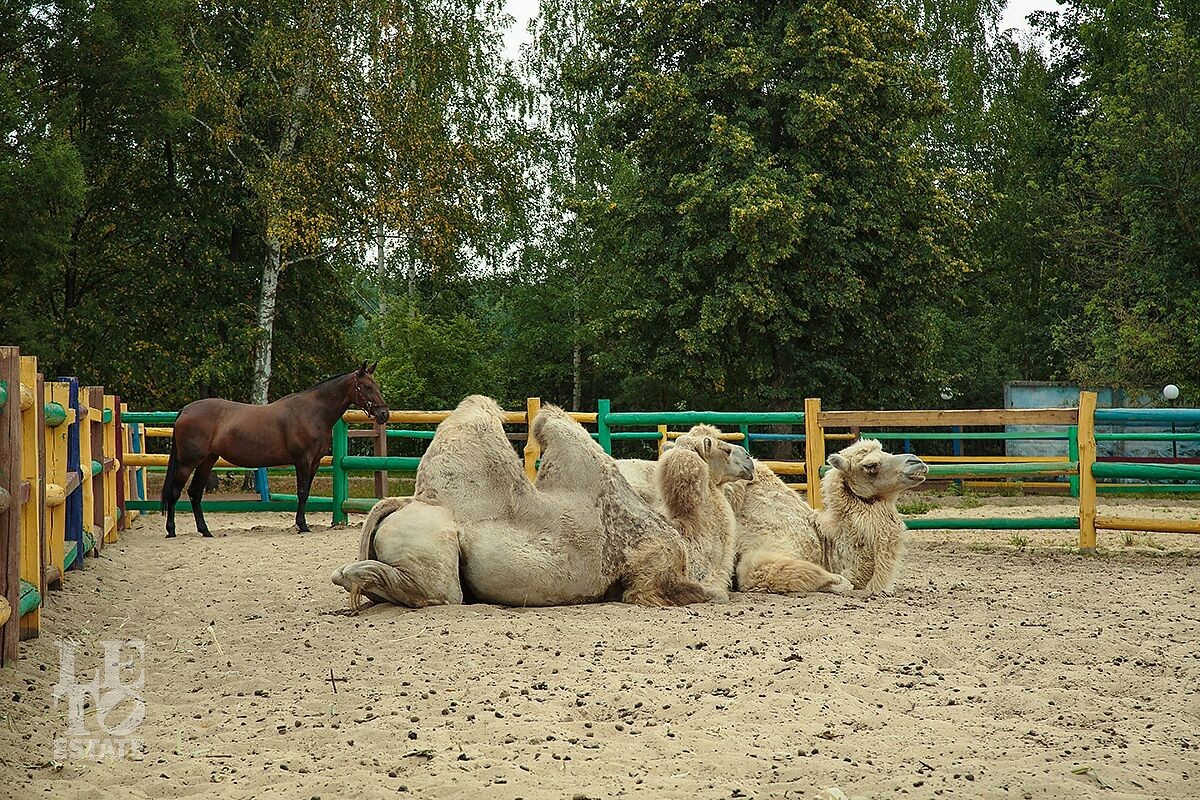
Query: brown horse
x=293, y=430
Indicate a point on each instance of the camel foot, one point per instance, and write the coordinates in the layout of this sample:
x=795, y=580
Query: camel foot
x=842, y=586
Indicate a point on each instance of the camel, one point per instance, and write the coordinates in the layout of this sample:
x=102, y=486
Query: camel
x=477, y=527
x=783, y=546
x=689, y=478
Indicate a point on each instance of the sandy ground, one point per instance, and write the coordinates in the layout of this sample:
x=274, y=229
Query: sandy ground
x=996, y=670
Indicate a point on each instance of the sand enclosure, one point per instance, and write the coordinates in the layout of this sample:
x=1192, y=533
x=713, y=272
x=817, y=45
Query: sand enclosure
x=996, y=670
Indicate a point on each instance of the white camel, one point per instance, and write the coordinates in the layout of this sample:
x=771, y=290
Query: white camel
x=477, y=526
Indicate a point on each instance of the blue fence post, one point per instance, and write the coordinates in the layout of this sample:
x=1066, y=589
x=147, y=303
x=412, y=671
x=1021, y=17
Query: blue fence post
x=261, y=486
x=74, y=504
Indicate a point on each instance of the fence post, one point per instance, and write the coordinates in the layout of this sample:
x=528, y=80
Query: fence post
x=57, y=446
x=1087, y=481
x=262, y=484
x=533, y=451
x=663, y=438
x=602, y=409
x=32, y=456
x=79, y=509
x=10, y=518
x=1073, y=455
x=381, y=449
x=746, y=437
x=341, y=481
x=814, y=449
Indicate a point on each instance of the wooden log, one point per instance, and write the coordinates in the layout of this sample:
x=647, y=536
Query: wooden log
x=1156, y=525
x=94, y=429
x=814, y=448
x=533, y=450
x=10, y=520
x=1087, y=459
x=79, y=509
x=32, y=442
x=948, y=418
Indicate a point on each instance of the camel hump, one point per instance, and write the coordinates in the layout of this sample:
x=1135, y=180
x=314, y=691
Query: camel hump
x=371, y=524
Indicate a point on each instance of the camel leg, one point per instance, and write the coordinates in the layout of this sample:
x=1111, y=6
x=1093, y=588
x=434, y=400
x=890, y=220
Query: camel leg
x=779, y=573
x=411, y=560
x=888, y=552
x=196, y=493
x=656, y=575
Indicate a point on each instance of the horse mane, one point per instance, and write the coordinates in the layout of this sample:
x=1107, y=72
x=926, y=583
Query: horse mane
x=321, y=383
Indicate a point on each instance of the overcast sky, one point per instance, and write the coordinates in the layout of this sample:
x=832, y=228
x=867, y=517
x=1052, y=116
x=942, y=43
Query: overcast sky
x=523, y=10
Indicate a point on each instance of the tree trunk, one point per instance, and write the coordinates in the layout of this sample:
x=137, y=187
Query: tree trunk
x=272, y=266
x=576, y=377
x=381, y=263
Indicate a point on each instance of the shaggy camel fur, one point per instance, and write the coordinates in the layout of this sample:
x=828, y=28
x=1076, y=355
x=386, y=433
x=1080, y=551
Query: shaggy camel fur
x=689, y=478
x=785, y=547
x=475, y=523
x=862, y=534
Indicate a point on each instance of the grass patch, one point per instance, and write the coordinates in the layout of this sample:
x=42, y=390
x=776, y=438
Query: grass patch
x=915, y=507
x=1019, y=542
x=970, y=501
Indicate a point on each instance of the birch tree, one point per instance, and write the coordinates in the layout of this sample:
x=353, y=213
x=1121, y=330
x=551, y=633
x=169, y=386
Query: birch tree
x=272, y=84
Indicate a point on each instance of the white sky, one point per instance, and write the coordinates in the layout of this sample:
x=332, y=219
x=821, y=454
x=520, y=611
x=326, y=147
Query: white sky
x=518, y=34
x=524, y=10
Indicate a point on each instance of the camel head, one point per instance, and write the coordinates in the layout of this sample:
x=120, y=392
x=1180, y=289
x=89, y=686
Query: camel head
x=726, y=462
x=871, y=474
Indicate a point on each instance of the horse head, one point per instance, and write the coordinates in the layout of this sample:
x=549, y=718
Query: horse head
x=367, y=395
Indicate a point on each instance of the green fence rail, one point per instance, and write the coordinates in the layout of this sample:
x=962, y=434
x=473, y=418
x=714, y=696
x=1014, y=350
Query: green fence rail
x=1150, y=475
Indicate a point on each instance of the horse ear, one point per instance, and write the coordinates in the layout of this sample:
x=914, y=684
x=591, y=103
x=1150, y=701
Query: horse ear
x=363, y=369
x=839, y=462
x=371, y=369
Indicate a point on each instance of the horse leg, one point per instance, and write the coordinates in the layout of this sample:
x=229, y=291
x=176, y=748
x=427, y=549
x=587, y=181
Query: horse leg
x=177, y=478
x=305, y=471
x=196, y=492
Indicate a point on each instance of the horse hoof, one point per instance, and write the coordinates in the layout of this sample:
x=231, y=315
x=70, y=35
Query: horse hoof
x=171, y=535
x=206, y=534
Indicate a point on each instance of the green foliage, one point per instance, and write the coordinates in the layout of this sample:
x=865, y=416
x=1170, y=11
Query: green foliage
x=432, y=361
x=1130, y=238
x=776, y=230
x=670, y=204
x=915, y=507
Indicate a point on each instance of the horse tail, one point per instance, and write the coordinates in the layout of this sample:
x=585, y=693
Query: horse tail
x=366, y=544
x=169, y=481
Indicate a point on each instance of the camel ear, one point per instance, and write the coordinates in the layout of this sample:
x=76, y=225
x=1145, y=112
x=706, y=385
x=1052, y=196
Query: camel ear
x=668, y=445
x=839, y=462
x=708, y=445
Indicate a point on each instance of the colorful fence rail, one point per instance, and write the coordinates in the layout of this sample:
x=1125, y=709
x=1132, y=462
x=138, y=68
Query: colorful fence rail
x=74, y=464
x=1084, y=474
x=62, y=490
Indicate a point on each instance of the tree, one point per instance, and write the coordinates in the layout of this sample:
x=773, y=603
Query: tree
x=273, y=85
x=776, y=229
x=1130, y=237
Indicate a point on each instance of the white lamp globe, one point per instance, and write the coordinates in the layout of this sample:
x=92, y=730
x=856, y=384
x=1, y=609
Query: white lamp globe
x=1170, y=391
x=947, y=393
